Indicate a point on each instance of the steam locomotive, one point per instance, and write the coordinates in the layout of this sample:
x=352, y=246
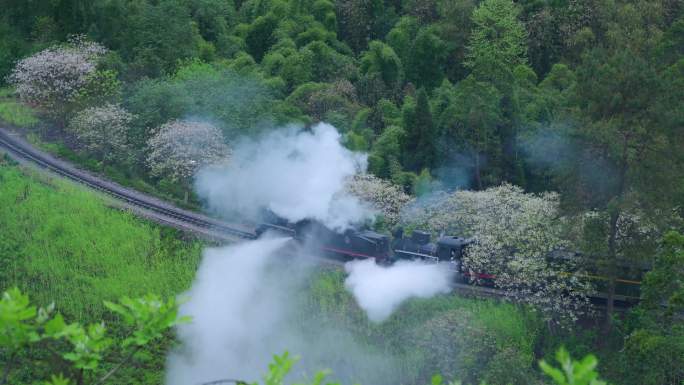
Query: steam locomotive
x=363, y=244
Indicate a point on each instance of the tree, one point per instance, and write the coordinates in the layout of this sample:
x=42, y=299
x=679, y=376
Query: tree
x=151, y=37
x=422, y=51
x=653, y=350
x=103, y=131
x=52, y=78
x=514, y=233
x=383, y=196
x=401, y=36
x=498, y=36
x=237, y=104
x=427, y=58
x=476, y=117
x=624, y=132
x=260, y=36
x=381, y=59
x=360, y=21
x=180, y=148
x=419, y=141
x=384, y=160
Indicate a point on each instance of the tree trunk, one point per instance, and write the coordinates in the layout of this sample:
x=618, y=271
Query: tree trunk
x=611, y=271
x=478, y=176
x=612, y=247
x=185, y=196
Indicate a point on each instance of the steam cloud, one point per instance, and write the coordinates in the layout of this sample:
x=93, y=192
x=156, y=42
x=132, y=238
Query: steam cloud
x=380, y=290
x=249, y=301
x=296, y=174
x=231, y=316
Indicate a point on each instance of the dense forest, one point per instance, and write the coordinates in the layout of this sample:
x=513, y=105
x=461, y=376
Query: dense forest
x=504, y=98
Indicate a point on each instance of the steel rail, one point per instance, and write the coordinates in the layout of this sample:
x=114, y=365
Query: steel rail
x=25, y=152
x=166, y=213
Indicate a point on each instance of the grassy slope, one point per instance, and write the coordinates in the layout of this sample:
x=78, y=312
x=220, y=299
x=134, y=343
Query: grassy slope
x=59, y=242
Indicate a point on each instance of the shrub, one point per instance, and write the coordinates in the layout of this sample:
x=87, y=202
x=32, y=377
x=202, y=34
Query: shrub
x=52, y=78
x=103, y=131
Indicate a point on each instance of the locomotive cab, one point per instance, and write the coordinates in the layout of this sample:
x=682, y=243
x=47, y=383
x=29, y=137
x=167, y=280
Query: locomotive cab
x=450, y=250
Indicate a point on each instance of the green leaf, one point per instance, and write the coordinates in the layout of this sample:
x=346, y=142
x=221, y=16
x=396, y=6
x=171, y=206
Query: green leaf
x=55, y=327
x=57, y=380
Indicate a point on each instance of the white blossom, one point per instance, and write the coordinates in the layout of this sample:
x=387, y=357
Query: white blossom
x=514, y=235
x=102, y=130
x=53, y=77
x=180, y=148
x=383, y=196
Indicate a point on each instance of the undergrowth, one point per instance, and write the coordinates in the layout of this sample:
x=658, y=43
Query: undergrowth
x=15, y=113
x=461, y=338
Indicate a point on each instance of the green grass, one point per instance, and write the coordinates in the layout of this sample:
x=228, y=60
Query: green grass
x=61, y=243
x=15, y=113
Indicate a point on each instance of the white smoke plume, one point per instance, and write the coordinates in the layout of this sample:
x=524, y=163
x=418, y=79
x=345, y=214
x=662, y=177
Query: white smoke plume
x=249, y=301
x=296, y=174
x=379, y=290
x=232, y=317
x=245, y=307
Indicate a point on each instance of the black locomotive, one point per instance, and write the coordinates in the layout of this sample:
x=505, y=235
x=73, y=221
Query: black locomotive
x=450, y=250
x=361, y=244
x=347, y=245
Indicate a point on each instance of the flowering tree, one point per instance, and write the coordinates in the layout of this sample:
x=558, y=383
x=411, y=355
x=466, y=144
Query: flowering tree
x=383, y=196
x=53, y=78
x=514, y=233
x=102, y=130
x=181, y=147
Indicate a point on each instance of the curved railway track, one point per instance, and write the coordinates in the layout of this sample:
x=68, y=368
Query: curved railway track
x=142, y=204
x=157, y=210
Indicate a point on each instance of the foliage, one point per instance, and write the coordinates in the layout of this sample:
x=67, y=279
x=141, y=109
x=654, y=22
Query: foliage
x=148, y=315
x=239, y=105
x=514, y=234
x=572, y=372
x=467, y=119
x=579, y=97
x=420, y=135
x=15, y=113
x=182, y=147
x=497, y=35
x=53, y=78
x=460, y=338
x=52, y=247
x=385, y=197
x=21, y=325
x=103, y=131
x=657, y=339
x=380, y=59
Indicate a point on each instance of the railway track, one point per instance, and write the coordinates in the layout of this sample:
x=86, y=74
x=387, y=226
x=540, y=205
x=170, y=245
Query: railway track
x=142, y=204
x=159, y=211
